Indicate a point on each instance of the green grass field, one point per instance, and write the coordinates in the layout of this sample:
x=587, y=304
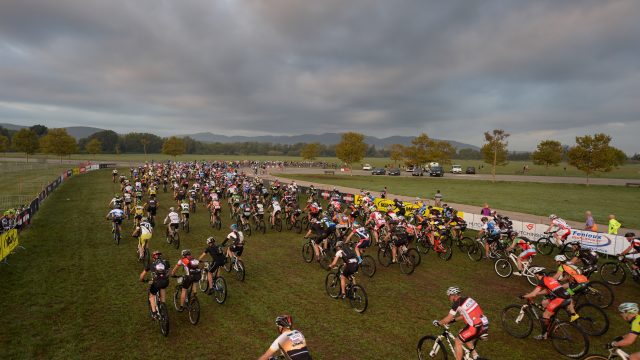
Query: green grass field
x=74, y=294
x=628, y=171
x=567, y=200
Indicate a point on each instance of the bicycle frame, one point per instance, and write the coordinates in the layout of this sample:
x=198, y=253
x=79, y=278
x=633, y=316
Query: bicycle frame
x=448, y=336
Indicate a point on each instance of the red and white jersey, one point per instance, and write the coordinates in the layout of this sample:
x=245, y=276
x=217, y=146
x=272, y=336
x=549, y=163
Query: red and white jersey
x=470, y=311
x=561, y=224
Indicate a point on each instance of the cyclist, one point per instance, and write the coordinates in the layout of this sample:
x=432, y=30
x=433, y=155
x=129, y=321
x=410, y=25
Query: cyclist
x=258, y=211
x=159, y=269
x=398, y=234
x=114, y=174
x=245, y=213
x=491, y=230
x=127, y=202
x=377, y=220
x=570, y=273
x=275, y=210
x=634, y=248
x=466, y=309
x=349, y=268
x=563, y=229
x=116, y=216
x=184, y=211
x=152, y=209
x=629, y=312
x=143, y=233
x=237, y=242
x=192, y=274
x=172, y=221
x=528, y=250
x=290, y=343
x=217, y=260
x=363, y=236
x=558, y=298
x=116, y=202
x=587, y=257
x=215, y=208
x=138, y=212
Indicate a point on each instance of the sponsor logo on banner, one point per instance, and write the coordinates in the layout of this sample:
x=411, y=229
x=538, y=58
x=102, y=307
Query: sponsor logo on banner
x=530, y=226
x=590, y=239
x=8, y=242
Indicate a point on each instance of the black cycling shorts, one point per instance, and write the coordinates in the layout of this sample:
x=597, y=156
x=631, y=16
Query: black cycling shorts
x=175, y=225
x=157, y=284
x=350, y=269
x=152, y=211
x=219, y=261
x=237, y=249
x=188, y=280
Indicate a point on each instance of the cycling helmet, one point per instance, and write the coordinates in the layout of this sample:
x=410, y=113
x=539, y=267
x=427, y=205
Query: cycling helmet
x=629, y=234
x=552, y=217
x=284, y=321
x=340, y=244
x=118, y=206
x=513, y=233
x=372, y=208
x=186, y=252
x=575, y=243
x=356, y=224
x=538, y=270
x=233, y=227
x=172, y=209
x=453, y=290
x=156, y=254
x=400, y=217
x=628, y=307
x=484, y=219
x=144, y=219
x=211, y=240
x=116, y=195
x=560, y=258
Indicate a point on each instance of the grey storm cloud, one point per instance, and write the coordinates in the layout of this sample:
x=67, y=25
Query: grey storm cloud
x=539, y=69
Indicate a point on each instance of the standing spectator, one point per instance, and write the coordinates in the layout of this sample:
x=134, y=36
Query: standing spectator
x=614, y=225
x=486, y=211
x=438, y=198
x=590, y=224
x=383, y=194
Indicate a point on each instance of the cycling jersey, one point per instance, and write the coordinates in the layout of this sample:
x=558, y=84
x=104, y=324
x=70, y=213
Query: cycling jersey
x=276, y=206
x=127, y=197
x=184, y=208
x=635, y=243
x=139, y=211
x=260, y=209
x=236, y=237
x=152, y=204
x=348, y=256
x=173, y=217
x=491, y=228
x=293, y=344
x=470, y=311
x=159, y=268
x=116, y=214
x=573, y=273
x=588, y=256
x=635, y=325
x=553, y=287
x=146, y=226
x=561, y=224
x=327, y=224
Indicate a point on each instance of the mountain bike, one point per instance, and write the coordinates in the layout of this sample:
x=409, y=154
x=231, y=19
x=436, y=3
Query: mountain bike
x=243, y=225
x=217, y=223
x=163, y=315
x=308, y=253
x=461, y=242
x=433, y=347
x=219, y=284
x=191, y=302
x=116, y=233
x=237, y=266
x=595, y=293
x=477, y=251
x=547, y=243
x=615, y=273
x=355, y=293
x=593, y=321
x=440, y=245
x=504, y=268
x=260, y=224
x=277, y=223
x=614, y=354
x=567, y=338
x=173, y=239
x=184, y=223
x=405, y=259
x=145, y=258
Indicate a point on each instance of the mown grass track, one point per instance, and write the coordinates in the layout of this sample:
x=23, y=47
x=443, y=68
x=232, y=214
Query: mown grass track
x=75, y=295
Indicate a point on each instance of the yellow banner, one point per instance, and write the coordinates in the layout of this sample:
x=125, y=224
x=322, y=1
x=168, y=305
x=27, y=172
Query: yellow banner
x=76, y=171
x=410, y=208
x=8, y=242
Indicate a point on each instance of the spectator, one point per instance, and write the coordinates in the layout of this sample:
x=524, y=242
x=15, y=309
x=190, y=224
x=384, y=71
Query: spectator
x=614, y=225
x=590, y=224
x=438, y=198
x=383, y=194
x=486, y=211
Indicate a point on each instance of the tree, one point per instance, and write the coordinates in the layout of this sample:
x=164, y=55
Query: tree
x=469, y=154
x=548, y=153
x=40, y=130
x=145, y=142
x=440, y=151
x=495, y=150
x=94, y=146
x=416, y=154
x=58, y=142
x=593, y=154
x=310, y=151
x=174, y=146
x=351, y=148
x=4, y=143
x=396, y=153
x=26, y=141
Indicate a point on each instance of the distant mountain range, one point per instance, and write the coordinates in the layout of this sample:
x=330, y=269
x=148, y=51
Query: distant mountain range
x=80, y=132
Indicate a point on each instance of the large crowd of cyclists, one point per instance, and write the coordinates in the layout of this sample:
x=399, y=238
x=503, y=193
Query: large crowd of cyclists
x=337, y=235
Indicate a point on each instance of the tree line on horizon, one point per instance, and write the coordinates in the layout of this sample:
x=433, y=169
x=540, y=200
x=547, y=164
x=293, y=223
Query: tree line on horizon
x=590, y=154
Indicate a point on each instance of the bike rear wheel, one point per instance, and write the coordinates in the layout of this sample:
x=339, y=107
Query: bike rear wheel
x=358, y=299
x=278, y=224
x=429, y=347
x=593, y=320
x=203, y=283
x=476, y=252
x=465, y=243
x=262, y=226
x=297, y=226
x=176, y=298
x=545, y=246
x=240, y=270
x=613, y=273
x=569, y=340
x=384, y=256
x=220, y=290
x=176, y=240
x=406, y=264
x=444, y=250
x=164, y=319
x=516, y=321
x=599, y=294
x=414, y=255
x=194, y=310
x=368, y=266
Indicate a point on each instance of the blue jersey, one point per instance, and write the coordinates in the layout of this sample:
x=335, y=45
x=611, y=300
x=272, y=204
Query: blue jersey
x=328, y=224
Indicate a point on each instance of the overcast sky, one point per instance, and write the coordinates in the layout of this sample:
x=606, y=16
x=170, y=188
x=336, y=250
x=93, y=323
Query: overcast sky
x=454, y=69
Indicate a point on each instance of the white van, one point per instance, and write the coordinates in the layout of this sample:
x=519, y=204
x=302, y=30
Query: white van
x=456, y=169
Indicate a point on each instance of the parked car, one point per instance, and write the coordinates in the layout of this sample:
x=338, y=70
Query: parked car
x=417, y=172
x=456, y=169
x=394, y=172
x=378, y=171
x=367, y=167
x=436, y=171
x=471, y=170
x=409, y=169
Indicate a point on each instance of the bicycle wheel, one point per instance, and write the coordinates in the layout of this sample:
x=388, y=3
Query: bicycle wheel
x=368, y=265
x=476, y=252
x=176, y=298
x=278, y=224
x=325, y=259
x=596, y=357
x=203, y=283
x=116, y=236
x=218, y=223
x=247, y=229
x=297, y=226
x=176, y=240
x=503, y=268
x=304, y=223
x=599, y=294
x=444, y=250
x=332, y=285
x=262, y=226
x=531, y=278
x=384, y=256
x=545, y=246
x=220, y=290
x=465, y=243
x=307, y=252
x=358, y=299
x=422, y=245
x=569, y=340
x=289, y=224
x=406, y=264
x=415, y=256
x=429, y=347
x=240, y=270
x=164, y=319
x=516, y=321
x=227, y=265
x=612, y=273
x=593, y=320
x=194, y=310
x=567, y=250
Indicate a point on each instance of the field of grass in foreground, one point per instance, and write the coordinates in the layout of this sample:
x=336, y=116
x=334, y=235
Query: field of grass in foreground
x=627, y=171
x=569, y=201
x=74, y=294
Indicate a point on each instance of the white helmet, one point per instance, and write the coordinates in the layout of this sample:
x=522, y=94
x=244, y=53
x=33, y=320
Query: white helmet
x=560, y=258
x=538, y=270
x=453, y=290
x=552, y=217
x=628, y=307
